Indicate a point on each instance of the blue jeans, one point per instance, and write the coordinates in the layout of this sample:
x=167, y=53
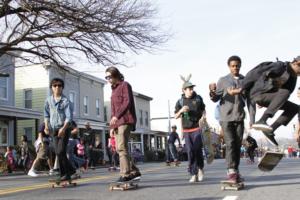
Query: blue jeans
x=173, y=152
x=194, y=144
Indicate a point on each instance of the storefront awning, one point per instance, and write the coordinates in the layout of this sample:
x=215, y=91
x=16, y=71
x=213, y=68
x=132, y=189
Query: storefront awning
x=19, y=113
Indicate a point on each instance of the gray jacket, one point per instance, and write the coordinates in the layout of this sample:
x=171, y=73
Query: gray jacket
x=231, y=107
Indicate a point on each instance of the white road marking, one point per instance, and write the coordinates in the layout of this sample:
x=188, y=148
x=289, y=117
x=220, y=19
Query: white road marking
x=231, y=198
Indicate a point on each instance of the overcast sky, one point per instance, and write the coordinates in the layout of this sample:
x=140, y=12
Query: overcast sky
x=205, y=34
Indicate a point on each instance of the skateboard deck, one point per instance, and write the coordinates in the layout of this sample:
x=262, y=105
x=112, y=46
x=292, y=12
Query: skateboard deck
x=270, y=160
x=206, y=137
x=226, y=185
x=175, y=164
x=133, y=184
x=64, y=183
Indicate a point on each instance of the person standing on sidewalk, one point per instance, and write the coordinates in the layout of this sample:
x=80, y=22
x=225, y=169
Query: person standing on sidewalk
x=123, y=121
x=57, y=118
x=171, y=145
x=190, y=108
x=232, y=115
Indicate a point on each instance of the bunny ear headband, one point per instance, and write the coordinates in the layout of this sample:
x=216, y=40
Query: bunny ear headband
x=187, y=79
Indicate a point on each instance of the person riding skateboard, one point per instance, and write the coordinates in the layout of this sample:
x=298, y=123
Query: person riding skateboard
x=232, y=115
x=123, y=121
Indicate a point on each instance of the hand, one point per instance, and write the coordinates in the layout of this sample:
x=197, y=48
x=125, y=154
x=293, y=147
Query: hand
x=46, y=130
x=233, y=91
x=184, y=109
x=61, y=132
x=113, y=121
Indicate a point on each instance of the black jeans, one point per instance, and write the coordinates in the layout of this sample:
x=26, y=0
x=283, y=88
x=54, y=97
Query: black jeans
x=233, y=134
x=60, y=145
x=194, y=146
x=250, y=152
x=278, y=101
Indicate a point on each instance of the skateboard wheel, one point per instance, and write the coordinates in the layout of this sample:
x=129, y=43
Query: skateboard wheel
x=222, y=188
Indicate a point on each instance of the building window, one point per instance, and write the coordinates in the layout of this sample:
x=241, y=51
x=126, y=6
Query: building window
x=146, y=118
x=28, y=133
x=72, y=100
x=141, y=117
x=3, y=134
x=105, y=113
x=97, y=107
x=4, y=88
x=28, y=98
x=86, y=105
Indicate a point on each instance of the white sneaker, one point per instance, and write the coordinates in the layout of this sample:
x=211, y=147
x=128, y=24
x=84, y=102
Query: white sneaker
x=32, y=173
x=194, y=179
x=200, y=175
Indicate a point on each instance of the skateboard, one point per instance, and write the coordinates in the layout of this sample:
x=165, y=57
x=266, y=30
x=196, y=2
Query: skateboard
x=112, y=169
x=64, y=183
x=132, y=184
x=227, y=185
x=270, y=160
x=206, y=137
x=175, y=164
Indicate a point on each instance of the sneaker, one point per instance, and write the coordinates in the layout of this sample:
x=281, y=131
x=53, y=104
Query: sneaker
x=270, y=137
x=123, y=179
x=193, y=179
x=233, y=177
x=136, y=175
x=200, y=175
x=262, y=126
x=32, y=173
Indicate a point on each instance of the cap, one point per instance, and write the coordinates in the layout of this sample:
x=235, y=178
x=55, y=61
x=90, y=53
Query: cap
x=187, y=84
x=297, y=58
x=173, y=126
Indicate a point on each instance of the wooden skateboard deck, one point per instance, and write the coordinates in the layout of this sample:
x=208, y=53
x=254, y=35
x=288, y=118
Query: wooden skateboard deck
x=226, y=185
x=175, y=164
x=133, y=184
x=270, y=160
x=64, y=183
x=207, y=145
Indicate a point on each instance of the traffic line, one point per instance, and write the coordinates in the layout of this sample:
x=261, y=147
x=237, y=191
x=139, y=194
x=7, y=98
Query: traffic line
x=48, y=185
x=231, y=198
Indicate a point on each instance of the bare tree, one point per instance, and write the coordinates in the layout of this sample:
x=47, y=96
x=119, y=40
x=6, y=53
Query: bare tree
x=58, y=29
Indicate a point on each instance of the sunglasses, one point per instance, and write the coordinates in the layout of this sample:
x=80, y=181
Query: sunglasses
x=108, y=77
x=57, y=85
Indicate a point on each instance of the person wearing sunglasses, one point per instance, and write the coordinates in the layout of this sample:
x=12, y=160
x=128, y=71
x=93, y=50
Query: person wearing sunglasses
x=57, y=118
x=123, y=121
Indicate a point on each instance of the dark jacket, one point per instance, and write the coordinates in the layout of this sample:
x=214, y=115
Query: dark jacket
x=196, y=106
x=252, y=142
x=267, y=77
x=122, y=104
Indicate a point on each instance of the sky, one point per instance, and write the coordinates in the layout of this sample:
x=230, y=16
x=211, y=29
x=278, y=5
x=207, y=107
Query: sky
x=204, y=34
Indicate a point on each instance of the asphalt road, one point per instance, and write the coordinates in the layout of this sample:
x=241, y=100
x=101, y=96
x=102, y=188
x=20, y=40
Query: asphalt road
x=162, y=182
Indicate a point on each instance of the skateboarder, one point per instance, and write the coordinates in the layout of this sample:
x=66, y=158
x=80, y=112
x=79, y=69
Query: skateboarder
x=57, y=116
x=171, y=144
x=190, y=108
x=123, y=121
x=269, y=85
x=231, y=115
x=252, y=145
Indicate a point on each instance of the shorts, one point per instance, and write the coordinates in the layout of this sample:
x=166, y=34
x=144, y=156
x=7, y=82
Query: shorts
x=43, y=152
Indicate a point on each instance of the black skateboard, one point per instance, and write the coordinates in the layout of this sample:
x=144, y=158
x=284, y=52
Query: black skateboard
x=132, y=184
